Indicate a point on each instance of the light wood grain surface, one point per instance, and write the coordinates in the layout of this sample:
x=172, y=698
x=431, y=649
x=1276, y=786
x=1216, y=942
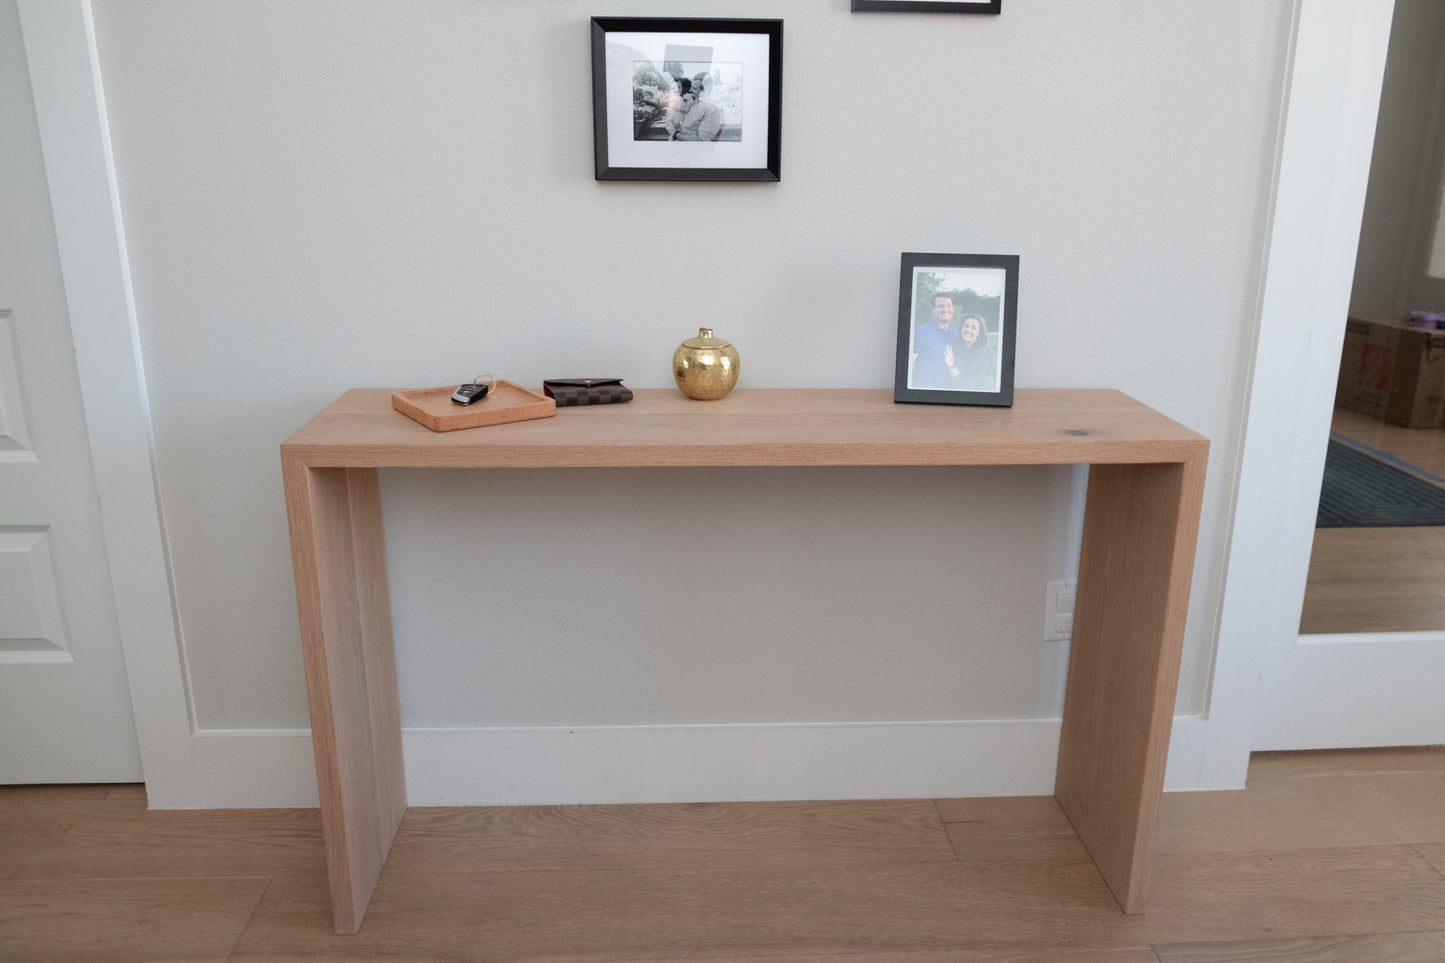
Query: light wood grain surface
x=339, y=560
x=1366, y=948
x=1136, y=564
x=1375, y=580
x=1141, y=520
x=1327, y=856
x=662, y=427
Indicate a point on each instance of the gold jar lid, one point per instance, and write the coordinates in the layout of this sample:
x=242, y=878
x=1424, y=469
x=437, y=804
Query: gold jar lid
x=705, y=339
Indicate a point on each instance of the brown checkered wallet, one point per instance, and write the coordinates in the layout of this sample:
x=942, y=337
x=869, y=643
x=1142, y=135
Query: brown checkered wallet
x=586, y=391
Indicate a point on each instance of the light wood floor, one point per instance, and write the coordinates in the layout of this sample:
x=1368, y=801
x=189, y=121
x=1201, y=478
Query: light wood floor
x=1327, y=856
x=1379, y=579
x=1375, y=580
x=1421, y=447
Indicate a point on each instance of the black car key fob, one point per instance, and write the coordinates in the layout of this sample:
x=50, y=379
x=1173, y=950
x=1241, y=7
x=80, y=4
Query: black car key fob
x=466, y=394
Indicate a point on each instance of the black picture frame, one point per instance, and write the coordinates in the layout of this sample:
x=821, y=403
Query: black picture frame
x=928, y=6
x=639, y=66
x=981, y=287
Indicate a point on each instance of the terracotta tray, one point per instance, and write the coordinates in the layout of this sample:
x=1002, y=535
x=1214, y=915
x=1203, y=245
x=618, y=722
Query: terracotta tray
x=506, y=402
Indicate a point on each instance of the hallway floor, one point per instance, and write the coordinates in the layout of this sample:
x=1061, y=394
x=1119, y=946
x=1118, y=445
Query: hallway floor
x=1379, y=579
x=1326, y=856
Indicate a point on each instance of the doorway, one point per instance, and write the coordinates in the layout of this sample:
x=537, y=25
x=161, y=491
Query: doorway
x=1378, y=556
x=1342, y=689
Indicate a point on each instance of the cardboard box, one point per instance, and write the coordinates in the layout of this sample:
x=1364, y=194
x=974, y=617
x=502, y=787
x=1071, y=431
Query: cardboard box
x=1392, y=371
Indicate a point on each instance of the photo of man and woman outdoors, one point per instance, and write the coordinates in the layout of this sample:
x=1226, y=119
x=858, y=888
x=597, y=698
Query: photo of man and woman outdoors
x=687, y=100
x=957, y=329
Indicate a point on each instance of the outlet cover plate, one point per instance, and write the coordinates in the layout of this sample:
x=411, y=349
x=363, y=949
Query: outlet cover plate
x=1059, y=610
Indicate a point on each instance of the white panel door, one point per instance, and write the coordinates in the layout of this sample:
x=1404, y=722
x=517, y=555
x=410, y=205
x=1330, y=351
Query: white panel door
x=65, y=711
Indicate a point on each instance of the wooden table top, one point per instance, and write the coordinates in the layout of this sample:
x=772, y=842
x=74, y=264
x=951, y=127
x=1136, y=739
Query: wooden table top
x=759, y=426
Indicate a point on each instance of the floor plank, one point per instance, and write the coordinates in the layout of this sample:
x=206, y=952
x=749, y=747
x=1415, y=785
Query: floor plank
x=52, y=794
x=1355, y=563
x=127, y=794
x=1325, y=855
x=756, y=910
x=1071, y=954
x=540, y=837
x=53, y=838
x=691, y=913
x=1312, y=800
x=1392, y=947
x=1373, y=615
x=1435, y=855
x=125, y=919
x=1020, y=827
x=1375, y=580
x=1274, y=894
x=1267, y=769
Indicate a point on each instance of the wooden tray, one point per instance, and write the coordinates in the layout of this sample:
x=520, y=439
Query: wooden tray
x=506, y=402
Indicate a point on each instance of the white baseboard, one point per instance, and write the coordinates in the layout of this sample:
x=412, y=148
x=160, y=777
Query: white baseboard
x=727, y=762
x=265, y=768
x=245, y=769
x=1188, y=745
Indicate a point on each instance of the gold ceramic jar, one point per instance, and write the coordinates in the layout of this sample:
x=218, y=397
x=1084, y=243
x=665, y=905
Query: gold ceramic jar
x=705, y=367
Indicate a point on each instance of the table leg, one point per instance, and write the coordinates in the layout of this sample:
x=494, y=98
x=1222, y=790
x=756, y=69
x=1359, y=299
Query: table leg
x=345, y=612
x=1140, y=527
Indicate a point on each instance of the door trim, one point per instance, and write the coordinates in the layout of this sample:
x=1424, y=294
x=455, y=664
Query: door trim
x=1332, y=101
x=60, y=46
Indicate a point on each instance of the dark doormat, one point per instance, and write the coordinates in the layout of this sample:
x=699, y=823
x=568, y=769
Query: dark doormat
x=1363, y=491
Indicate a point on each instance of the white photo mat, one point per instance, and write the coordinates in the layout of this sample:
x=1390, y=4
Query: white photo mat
x=625, y=48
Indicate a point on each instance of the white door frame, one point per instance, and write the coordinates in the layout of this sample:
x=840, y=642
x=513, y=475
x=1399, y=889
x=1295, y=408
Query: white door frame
x=1362, y=689
x=75, y=138
x=1335, y=75
x=184, y=767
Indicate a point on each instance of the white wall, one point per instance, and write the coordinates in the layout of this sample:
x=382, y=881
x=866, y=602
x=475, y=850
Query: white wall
x=323, y=195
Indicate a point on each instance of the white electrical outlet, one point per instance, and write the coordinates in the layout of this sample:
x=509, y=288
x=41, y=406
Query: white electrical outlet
x=1059, y=611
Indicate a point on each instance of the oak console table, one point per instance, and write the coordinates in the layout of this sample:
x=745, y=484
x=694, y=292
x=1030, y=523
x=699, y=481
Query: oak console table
x=1141, y=521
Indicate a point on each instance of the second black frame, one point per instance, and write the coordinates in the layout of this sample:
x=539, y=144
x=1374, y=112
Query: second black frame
x=928, y=6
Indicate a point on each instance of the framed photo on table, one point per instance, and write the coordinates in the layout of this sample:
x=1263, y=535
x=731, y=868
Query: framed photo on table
x=957, y=323
x=687, y=99
x=929, y=6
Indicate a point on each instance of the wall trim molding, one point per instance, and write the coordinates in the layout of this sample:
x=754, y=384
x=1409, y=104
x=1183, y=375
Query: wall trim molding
x=559, y=765
x=74, y=131
x=1332, y=95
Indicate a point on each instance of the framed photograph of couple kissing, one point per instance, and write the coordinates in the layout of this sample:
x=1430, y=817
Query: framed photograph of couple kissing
x=687, y=99
x=957, y=322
